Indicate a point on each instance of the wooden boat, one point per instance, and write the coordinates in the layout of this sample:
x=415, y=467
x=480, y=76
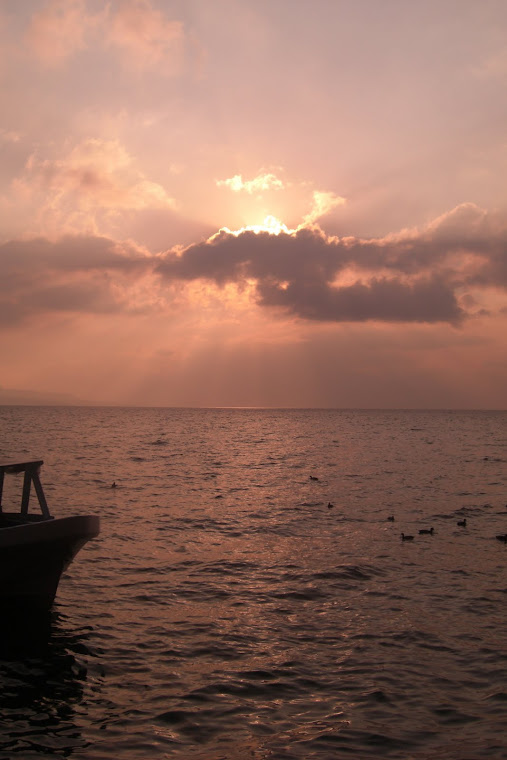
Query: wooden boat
x=35, y=549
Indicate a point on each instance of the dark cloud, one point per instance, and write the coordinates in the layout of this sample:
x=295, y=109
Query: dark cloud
x=88, y=297
x=410, y=277
x=75, y=296
x=384, y=300
x=74, y=274
x=70, y=253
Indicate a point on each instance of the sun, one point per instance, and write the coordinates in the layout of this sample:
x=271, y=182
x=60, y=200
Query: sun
x=271, y=225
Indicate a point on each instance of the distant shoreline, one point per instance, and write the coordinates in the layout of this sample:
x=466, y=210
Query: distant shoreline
x=94, y=405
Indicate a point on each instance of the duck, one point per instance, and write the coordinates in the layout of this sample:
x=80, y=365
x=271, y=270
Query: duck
x=426, y=531
x=391, y=518
x=406, y=538
x=502, y=537
x=329, y=505
x=312, y=477
x=462, y=523
x=113, y=484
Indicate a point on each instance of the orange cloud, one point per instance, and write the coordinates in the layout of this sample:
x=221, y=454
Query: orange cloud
x=59, y=30
x=96, y=179
x=146, y=38
x=9, y=136
x=323, y=203
x=258, y=184
x=290, y=203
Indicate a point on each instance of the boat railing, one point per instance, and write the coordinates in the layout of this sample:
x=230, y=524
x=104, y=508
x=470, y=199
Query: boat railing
x=31, y=475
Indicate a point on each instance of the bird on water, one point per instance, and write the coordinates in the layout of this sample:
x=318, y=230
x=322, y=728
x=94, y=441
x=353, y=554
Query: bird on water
x=502, y=537
x=113, y=484
x=426, y=531
x=462, y=523
x=406, y=538
x=391, y=518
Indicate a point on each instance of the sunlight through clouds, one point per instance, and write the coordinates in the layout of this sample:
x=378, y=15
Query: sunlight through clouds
x=208, y=175
x=256, y=185
x=323, y=203
x=271, y=225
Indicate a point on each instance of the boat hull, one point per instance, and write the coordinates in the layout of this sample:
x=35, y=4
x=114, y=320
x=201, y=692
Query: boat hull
x=34, y=555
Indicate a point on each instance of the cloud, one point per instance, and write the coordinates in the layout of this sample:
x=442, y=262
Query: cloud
x=59, y=30
x=143, y=36
x=415, y=276
x=71, y=253
x=95, y=180
x=323, y=203
x=442, y=273
x=146, y=38
x=383, y=300
x=9, y=136
x=75, y=275
x=258, y=184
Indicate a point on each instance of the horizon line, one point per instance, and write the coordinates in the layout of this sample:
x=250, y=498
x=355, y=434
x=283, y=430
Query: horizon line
x=104, y=405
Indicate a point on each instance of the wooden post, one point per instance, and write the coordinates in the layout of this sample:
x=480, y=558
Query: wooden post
x=40, y=494
x=27, y=482
x=31, y=472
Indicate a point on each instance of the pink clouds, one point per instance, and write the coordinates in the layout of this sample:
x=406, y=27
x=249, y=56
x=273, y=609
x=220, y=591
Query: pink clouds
x=146, y=38
x=143, y=36
x=73, y=275
x=59, y=30
x=260, y=183
x=323, y=203
x=413, y=276
x=435, y=275
x=93, y=183
x=118, y=162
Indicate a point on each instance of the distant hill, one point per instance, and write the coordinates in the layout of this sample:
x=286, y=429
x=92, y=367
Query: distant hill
x=9, y=396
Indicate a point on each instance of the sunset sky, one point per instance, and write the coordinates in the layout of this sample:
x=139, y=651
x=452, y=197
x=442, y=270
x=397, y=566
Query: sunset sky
x=254, y=202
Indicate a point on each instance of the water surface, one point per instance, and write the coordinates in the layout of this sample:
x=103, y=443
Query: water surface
x=227, y=612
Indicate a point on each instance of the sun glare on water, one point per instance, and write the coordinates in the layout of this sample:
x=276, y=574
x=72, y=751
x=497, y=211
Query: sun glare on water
x=271, y=225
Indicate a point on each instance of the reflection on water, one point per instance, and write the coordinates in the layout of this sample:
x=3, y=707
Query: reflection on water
x=225, y=612
x=41, y=685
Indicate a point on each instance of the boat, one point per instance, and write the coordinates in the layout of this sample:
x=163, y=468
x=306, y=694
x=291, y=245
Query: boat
x=35, y=549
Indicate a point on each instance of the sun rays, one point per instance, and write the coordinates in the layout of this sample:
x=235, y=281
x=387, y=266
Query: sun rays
x=271, y=225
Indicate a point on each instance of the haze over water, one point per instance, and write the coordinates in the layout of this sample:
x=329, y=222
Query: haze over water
x=227, y=612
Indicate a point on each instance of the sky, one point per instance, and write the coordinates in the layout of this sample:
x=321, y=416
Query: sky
x=282, y=203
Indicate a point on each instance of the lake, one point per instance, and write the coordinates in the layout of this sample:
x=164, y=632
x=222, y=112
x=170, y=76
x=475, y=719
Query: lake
x=249, y=598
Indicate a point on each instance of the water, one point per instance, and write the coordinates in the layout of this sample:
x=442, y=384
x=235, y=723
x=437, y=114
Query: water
x=227, y=612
